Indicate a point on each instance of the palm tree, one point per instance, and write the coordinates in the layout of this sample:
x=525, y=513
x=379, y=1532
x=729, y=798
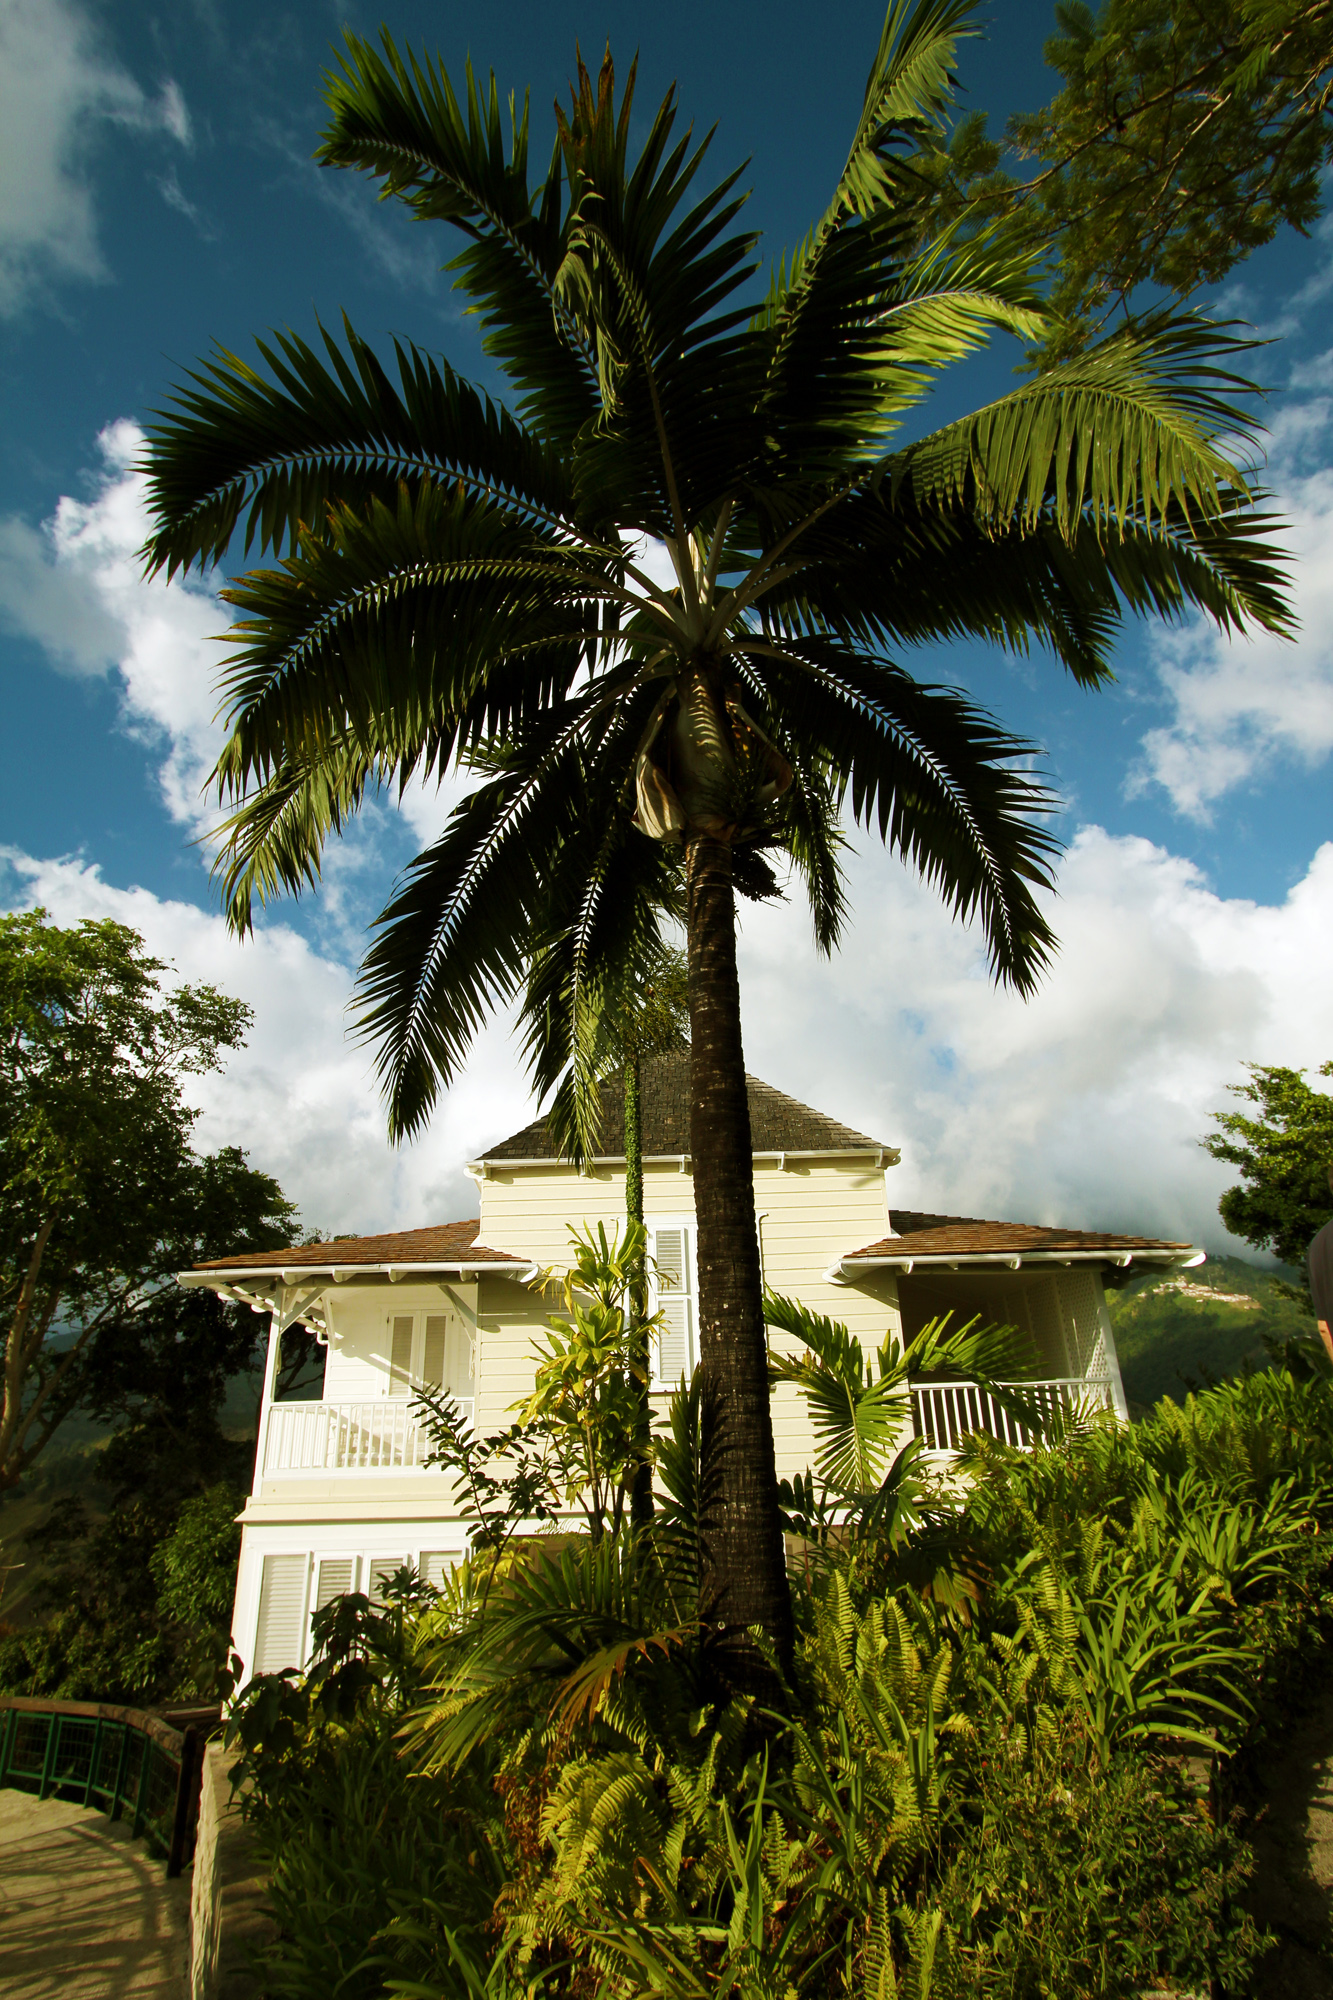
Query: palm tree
x=451, y=571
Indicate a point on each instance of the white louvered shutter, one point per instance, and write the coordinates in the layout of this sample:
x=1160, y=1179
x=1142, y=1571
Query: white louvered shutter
x=280, y=1638
x=673, y=1357
x=334, y=1580
x=432, y=1362
x=436, y=1565
x=400, y=1355
x=381, y=1569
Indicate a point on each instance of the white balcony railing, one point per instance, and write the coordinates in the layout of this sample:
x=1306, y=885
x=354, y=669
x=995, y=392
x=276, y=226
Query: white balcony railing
x=944, y=1413
x=378, y=1436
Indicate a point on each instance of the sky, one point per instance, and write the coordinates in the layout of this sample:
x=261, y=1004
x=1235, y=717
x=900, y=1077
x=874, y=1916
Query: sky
x=158, y=196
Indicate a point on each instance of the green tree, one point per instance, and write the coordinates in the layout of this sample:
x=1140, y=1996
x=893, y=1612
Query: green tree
x=1285, y=1158
x=101, y=1197
x=1182, y=139
x=453, y=571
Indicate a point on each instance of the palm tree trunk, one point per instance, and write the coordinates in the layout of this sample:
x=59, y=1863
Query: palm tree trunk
x=744, y=1575
x=641, y=1495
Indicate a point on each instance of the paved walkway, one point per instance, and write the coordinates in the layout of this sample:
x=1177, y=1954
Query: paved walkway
x=86, y=1913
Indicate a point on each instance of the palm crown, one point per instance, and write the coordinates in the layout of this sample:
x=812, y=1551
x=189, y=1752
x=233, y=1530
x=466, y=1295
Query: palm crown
x=460, y=579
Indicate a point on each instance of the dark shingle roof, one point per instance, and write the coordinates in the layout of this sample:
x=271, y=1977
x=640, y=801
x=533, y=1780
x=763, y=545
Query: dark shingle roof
x=921, y=1235
x=446, y=1243
x=778, y=1124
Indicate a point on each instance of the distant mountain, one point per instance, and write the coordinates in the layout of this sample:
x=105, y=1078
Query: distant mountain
x=1178, y=1333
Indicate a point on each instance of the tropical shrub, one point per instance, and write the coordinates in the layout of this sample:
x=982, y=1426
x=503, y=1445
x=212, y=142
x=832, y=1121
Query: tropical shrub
x=1008, y=1760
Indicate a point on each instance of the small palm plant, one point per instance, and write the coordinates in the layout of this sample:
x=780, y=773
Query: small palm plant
x=870, y=1490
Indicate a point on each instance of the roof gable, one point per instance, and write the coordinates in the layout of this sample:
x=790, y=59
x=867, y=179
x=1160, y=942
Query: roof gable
x=778, y=1123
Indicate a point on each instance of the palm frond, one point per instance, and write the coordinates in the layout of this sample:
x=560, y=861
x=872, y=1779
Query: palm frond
x=936, y=777
x=399, y=119
x=1131, y=432
x=275, y=452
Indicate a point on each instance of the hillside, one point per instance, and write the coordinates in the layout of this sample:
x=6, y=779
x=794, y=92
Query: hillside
x=1177, y=1333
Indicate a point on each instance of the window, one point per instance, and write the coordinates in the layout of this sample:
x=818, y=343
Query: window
x=379, y=1571
x=671, y=1246
x=431, y=1351
x=280, y=1639
x=334, y=1579
x=436, y=1565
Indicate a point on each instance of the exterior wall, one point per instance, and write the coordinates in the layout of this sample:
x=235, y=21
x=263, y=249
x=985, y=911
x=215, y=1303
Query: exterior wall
x=810, y=1213
x=418, y=1532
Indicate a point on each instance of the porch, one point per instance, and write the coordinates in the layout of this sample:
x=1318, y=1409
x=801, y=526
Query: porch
x=944, y=1413
x=379, y=1435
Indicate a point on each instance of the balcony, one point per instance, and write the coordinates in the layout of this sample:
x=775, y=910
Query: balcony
x=378, y=1436
x=944, y=1413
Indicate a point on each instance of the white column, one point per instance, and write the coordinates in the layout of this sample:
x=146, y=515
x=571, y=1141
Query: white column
x=270, y=1379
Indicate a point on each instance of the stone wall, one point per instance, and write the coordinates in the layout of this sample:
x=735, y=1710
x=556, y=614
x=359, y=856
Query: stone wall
x=228, y=1915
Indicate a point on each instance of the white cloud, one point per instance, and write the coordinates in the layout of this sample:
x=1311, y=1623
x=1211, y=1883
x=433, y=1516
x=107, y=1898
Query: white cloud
x=1084, y=1105
x=301, y=1098
x=1242, y=707
x=58, y=85
x=78, y=589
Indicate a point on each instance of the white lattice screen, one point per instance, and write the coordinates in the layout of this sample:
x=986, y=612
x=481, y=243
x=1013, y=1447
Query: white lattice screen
x=1083, y=1323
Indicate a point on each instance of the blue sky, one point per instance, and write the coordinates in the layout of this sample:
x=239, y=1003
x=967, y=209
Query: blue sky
x=157, y=194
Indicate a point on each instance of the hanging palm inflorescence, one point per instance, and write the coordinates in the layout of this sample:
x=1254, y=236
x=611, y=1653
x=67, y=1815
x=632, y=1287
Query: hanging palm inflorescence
x=457, y=577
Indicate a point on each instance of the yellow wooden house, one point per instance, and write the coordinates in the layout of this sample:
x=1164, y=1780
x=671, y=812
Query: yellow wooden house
x=341, y=1497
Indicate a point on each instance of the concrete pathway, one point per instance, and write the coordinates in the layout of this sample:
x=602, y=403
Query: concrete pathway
x=86, y=1913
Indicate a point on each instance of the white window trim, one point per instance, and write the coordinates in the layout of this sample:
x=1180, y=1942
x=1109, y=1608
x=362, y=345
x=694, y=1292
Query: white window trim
x=451, y=1311
x=658, y=1384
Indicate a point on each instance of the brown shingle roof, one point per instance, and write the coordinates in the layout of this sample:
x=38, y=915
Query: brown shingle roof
x=921, y=1235
x=446, y=1243
x=778, y=1124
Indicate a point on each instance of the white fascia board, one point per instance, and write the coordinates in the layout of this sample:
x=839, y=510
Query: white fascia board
x=885, y=1156
x=222, y=1281
x=956, y=1260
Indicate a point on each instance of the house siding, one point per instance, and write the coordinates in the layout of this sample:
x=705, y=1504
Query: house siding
x=810, y=1210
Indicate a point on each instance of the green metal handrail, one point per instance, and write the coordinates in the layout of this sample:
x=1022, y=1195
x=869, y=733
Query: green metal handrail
x=121, y=1759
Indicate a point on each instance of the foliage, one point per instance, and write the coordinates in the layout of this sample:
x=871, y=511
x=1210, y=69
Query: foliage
x=1182, y=139
x=138, y=1605
x=457, y=576
x=1285, y=1157
x=621, y=1014
x=592, y=1375
x=101, y=1198
x=986, y=1797
x=352, y=1837
x=861, y=1407
x=577, y=1437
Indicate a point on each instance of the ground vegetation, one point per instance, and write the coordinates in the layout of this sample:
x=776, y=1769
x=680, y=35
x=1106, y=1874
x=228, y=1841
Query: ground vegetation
x=1011, y=1757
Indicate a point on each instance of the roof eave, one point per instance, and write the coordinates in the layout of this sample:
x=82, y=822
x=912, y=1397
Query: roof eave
x=906, y=1261
x=339, y=1274
x=887, y=1156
